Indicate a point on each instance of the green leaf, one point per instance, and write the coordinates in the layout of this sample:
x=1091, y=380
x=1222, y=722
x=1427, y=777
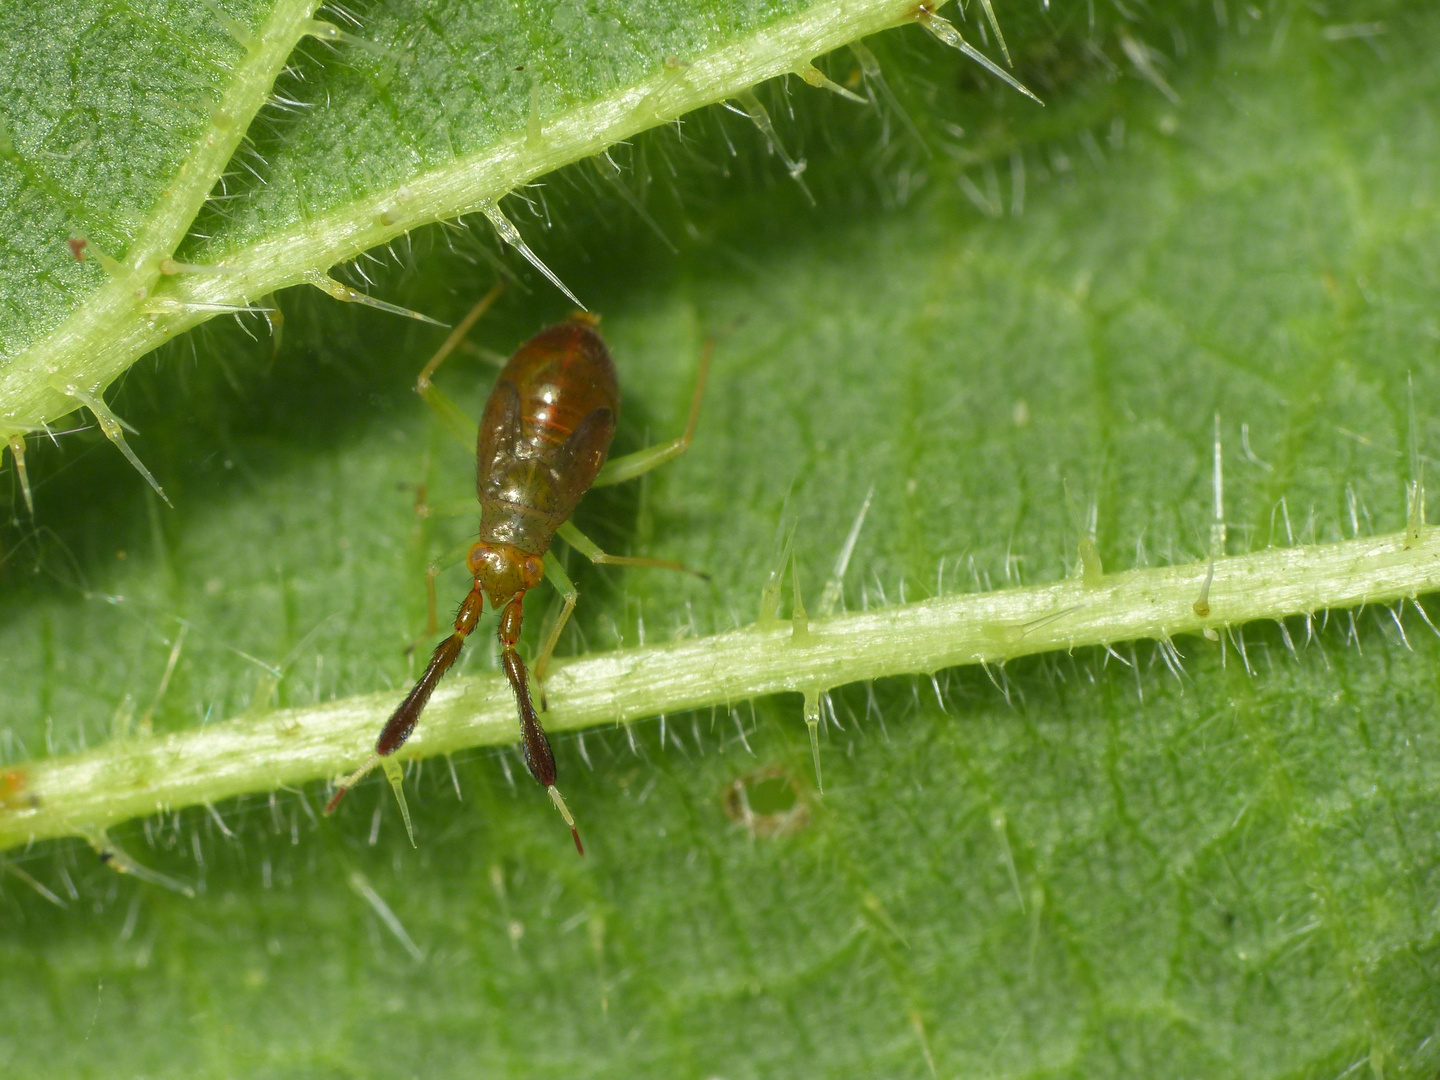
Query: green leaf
x=1067, y=865
x=435, y=114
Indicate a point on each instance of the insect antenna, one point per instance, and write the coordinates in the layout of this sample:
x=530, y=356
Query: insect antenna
x=539, y=758
x=402, y=722
x=559, y=802
x=350, y=781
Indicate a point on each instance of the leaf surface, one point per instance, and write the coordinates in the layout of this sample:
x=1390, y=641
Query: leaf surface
x=1081, y=864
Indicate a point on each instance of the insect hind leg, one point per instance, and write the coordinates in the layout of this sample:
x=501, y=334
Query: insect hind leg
x=618, y=470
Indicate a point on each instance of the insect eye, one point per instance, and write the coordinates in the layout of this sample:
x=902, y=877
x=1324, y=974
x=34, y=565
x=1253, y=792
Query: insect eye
x=534, y=570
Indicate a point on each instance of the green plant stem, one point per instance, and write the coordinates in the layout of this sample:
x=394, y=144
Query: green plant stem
x=83, y=793
x=130, y=317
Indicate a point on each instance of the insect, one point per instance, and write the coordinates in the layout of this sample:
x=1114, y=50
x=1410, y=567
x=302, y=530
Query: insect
x=542, y=443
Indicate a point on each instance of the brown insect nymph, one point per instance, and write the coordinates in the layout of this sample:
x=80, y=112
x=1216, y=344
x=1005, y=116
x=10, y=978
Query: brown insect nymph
x=542, y=443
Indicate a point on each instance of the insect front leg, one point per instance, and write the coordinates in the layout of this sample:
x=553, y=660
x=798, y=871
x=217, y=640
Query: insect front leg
x=555, y=574
x=432, y=571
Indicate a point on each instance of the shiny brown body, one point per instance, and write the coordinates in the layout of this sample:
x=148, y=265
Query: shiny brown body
x=545, y=434
x=541, y=445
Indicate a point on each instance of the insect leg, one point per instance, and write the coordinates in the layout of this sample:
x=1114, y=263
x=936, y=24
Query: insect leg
x=587, y=547
x=450, y=414
x=432, y=570
x=566, y=588
x=618, y=470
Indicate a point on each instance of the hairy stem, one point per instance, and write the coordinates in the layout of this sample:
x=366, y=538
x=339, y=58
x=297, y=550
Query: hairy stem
x=83, y=793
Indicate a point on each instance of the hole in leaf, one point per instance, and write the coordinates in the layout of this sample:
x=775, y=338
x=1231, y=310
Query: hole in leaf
x=768, y=802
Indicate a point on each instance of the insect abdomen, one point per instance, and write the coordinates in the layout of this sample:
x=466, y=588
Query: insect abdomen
x=546, y=432
x=562, y=375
